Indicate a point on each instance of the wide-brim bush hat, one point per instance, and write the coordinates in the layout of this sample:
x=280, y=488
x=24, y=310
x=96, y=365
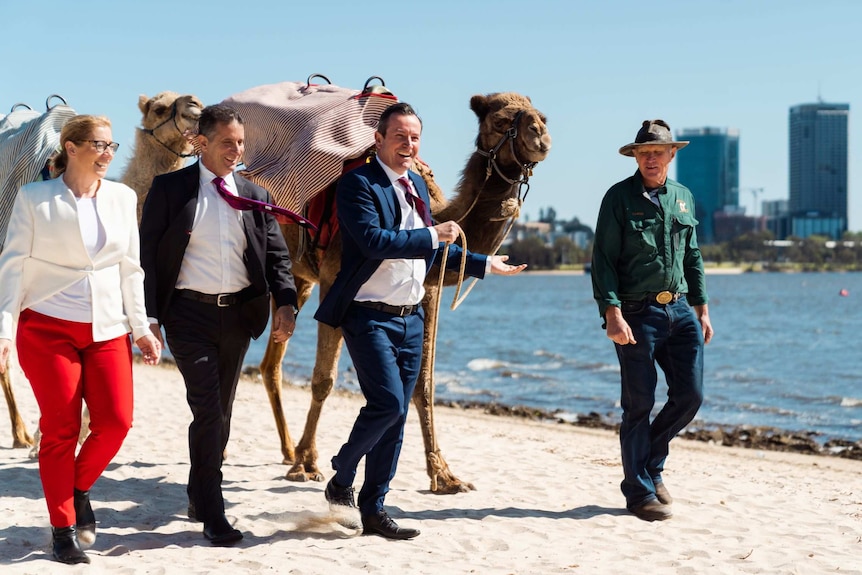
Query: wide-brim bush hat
x=652, y=133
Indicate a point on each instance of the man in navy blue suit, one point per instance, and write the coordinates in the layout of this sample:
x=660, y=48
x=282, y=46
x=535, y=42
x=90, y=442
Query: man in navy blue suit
x=388, y=244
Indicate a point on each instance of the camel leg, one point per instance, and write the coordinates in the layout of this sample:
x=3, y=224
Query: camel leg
x=270, y=371
x=329, y=341
x=443, y=481
x=20, y=437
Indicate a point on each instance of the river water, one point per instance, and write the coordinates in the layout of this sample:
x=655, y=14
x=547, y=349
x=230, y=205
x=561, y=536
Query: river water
x=786, y=351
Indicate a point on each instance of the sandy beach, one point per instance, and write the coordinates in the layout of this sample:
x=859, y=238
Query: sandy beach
x=547, y=500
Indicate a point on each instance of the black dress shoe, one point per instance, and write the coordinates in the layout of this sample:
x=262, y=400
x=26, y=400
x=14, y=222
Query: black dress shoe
x=219, y=532
x=338, y=495
x=192, y=513
x=66, y=548
x=85, y=519
x=342, y=505
x=381, y=524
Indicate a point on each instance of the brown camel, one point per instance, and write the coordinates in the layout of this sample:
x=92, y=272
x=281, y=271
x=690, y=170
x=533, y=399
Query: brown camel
x=512, y=139
x=161, y=144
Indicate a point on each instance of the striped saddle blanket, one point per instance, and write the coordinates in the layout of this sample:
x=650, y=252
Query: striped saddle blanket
x=298, y=136
x=28, y=139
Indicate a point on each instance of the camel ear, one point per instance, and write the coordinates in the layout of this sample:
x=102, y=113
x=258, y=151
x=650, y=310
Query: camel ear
x=479, y=104
x=144, y=103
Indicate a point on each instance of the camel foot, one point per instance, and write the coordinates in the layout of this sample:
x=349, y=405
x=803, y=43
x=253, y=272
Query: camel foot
x=451, y=485
x=300, y=474
x=22, y=442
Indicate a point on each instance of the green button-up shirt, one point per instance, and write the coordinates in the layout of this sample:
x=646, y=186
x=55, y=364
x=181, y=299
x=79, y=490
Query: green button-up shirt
x=640, y=248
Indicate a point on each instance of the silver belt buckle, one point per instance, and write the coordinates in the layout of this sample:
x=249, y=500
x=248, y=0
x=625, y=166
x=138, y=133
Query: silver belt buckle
x=663, y=297
x=219, y=301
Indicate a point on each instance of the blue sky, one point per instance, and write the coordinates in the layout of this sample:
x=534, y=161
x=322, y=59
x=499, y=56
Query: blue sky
x=596, y=69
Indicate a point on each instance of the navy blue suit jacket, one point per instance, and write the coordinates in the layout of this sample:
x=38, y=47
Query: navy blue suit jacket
x=369, y=218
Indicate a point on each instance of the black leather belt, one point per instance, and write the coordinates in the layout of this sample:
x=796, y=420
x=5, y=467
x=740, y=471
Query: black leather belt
x=399, y=310
x=664, y=297
x=221, y=299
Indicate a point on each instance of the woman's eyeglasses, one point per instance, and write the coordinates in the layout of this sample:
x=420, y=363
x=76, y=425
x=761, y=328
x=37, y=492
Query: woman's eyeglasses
x=102, y=145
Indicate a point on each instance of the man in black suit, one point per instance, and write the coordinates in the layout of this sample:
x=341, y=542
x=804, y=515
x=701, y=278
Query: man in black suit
x=210, y=272
x=388, y=244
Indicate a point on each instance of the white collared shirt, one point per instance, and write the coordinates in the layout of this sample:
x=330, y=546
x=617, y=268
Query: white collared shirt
x=399, y=281
x=213, y=261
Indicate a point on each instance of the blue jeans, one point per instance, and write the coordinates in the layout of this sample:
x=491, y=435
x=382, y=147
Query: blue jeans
x=671, y=336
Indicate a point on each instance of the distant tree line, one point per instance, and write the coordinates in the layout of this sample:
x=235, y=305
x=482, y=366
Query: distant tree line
x=759, y=250
x=755, y=251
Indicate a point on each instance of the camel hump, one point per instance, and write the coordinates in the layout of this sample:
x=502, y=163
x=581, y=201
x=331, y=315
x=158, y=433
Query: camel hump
x=299, y=135
x=28, y=140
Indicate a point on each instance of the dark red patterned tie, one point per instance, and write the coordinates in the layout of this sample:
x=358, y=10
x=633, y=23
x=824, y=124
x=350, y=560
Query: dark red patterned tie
x=282, y=215
x=416, y=202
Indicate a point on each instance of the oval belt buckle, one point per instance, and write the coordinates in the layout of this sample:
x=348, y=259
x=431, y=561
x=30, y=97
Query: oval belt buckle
x=663, y=297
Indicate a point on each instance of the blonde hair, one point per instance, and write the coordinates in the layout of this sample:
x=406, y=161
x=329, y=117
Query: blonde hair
x=76, y=130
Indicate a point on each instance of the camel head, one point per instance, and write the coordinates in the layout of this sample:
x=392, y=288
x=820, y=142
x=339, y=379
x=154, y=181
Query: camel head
x=504, y=111
x=170, y=118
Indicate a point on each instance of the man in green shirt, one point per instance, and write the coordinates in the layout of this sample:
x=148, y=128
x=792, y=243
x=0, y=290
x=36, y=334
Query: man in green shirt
x=648, y=281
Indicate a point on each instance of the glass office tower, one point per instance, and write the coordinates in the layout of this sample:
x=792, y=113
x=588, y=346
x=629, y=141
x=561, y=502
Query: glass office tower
x=709, y=167
x=818, y=169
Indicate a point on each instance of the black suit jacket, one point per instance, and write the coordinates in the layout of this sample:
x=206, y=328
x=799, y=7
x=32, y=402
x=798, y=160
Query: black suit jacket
x=166, y=225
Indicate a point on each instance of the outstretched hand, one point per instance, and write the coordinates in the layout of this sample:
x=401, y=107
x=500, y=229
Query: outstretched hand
x=501, y=268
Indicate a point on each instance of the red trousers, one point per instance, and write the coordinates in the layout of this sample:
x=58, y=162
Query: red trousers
x=64, y=366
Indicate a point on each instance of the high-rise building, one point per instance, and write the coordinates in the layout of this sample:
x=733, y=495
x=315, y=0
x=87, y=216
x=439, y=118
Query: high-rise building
x=709, y=167
x=818, y=169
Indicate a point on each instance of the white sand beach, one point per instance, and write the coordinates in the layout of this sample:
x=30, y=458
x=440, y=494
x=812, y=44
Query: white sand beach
x=547, y=500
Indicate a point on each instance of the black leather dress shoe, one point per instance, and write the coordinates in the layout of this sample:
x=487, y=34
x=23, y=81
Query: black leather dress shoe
x=66, y=548
x=338, y=495
x=220, y=532
x=342, y=505
x=85, y=519
x=381, y=524
x=192, y=513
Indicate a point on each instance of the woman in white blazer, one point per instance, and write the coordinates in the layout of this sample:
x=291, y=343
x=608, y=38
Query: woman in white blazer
x=73, y=283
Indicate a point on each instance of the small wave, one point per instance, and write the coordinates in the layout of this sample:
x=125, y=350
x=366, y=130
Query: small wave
x=851, y=402
x=485, y=364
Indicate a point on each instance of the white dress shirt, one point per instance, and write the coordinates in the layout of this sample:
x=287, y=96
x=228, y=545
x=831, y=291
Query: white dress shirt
x=399, y=281
x=213, y=261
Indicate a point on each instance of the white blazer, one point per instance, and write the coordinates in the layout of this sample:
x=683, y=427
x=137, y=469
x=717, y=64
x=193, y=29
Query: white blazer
x=44, y=254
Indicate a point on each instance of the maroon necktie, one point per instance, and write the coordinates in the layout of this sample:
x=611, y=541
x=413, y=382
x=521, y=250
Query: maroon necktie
x=282, y=215
x=416, y=202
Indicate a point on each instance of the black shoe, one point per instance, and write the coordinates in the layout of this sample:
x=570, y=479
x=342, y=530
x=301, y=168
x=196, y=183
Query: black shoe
x=193, y=515
x=343, y=505
x=652, y=510
x=66, y=548
x=85, y=519
x=337, y=495
x=220, y=532
x=381, y=524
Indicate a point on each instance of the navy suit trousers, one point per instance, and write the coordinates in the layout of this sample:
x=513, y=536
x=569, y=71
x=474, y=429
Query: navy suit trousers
x=386, y=351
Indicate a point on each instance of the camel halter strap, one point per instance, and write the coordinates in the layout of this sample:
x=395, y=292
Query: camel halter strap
x=526, y=168
x=171, y=118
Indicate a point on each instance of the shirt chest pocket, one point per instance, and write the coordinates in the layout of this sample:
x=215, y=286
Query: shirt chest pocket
x=642, y=233
x=682, y=229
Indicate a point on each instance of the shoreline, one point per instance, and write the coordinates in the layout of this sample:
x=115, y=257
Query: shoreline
x=746, y=436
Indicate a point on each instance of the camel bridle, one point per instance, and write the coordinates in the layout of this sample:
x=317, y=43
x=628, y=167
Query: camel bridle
x=171, y=118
